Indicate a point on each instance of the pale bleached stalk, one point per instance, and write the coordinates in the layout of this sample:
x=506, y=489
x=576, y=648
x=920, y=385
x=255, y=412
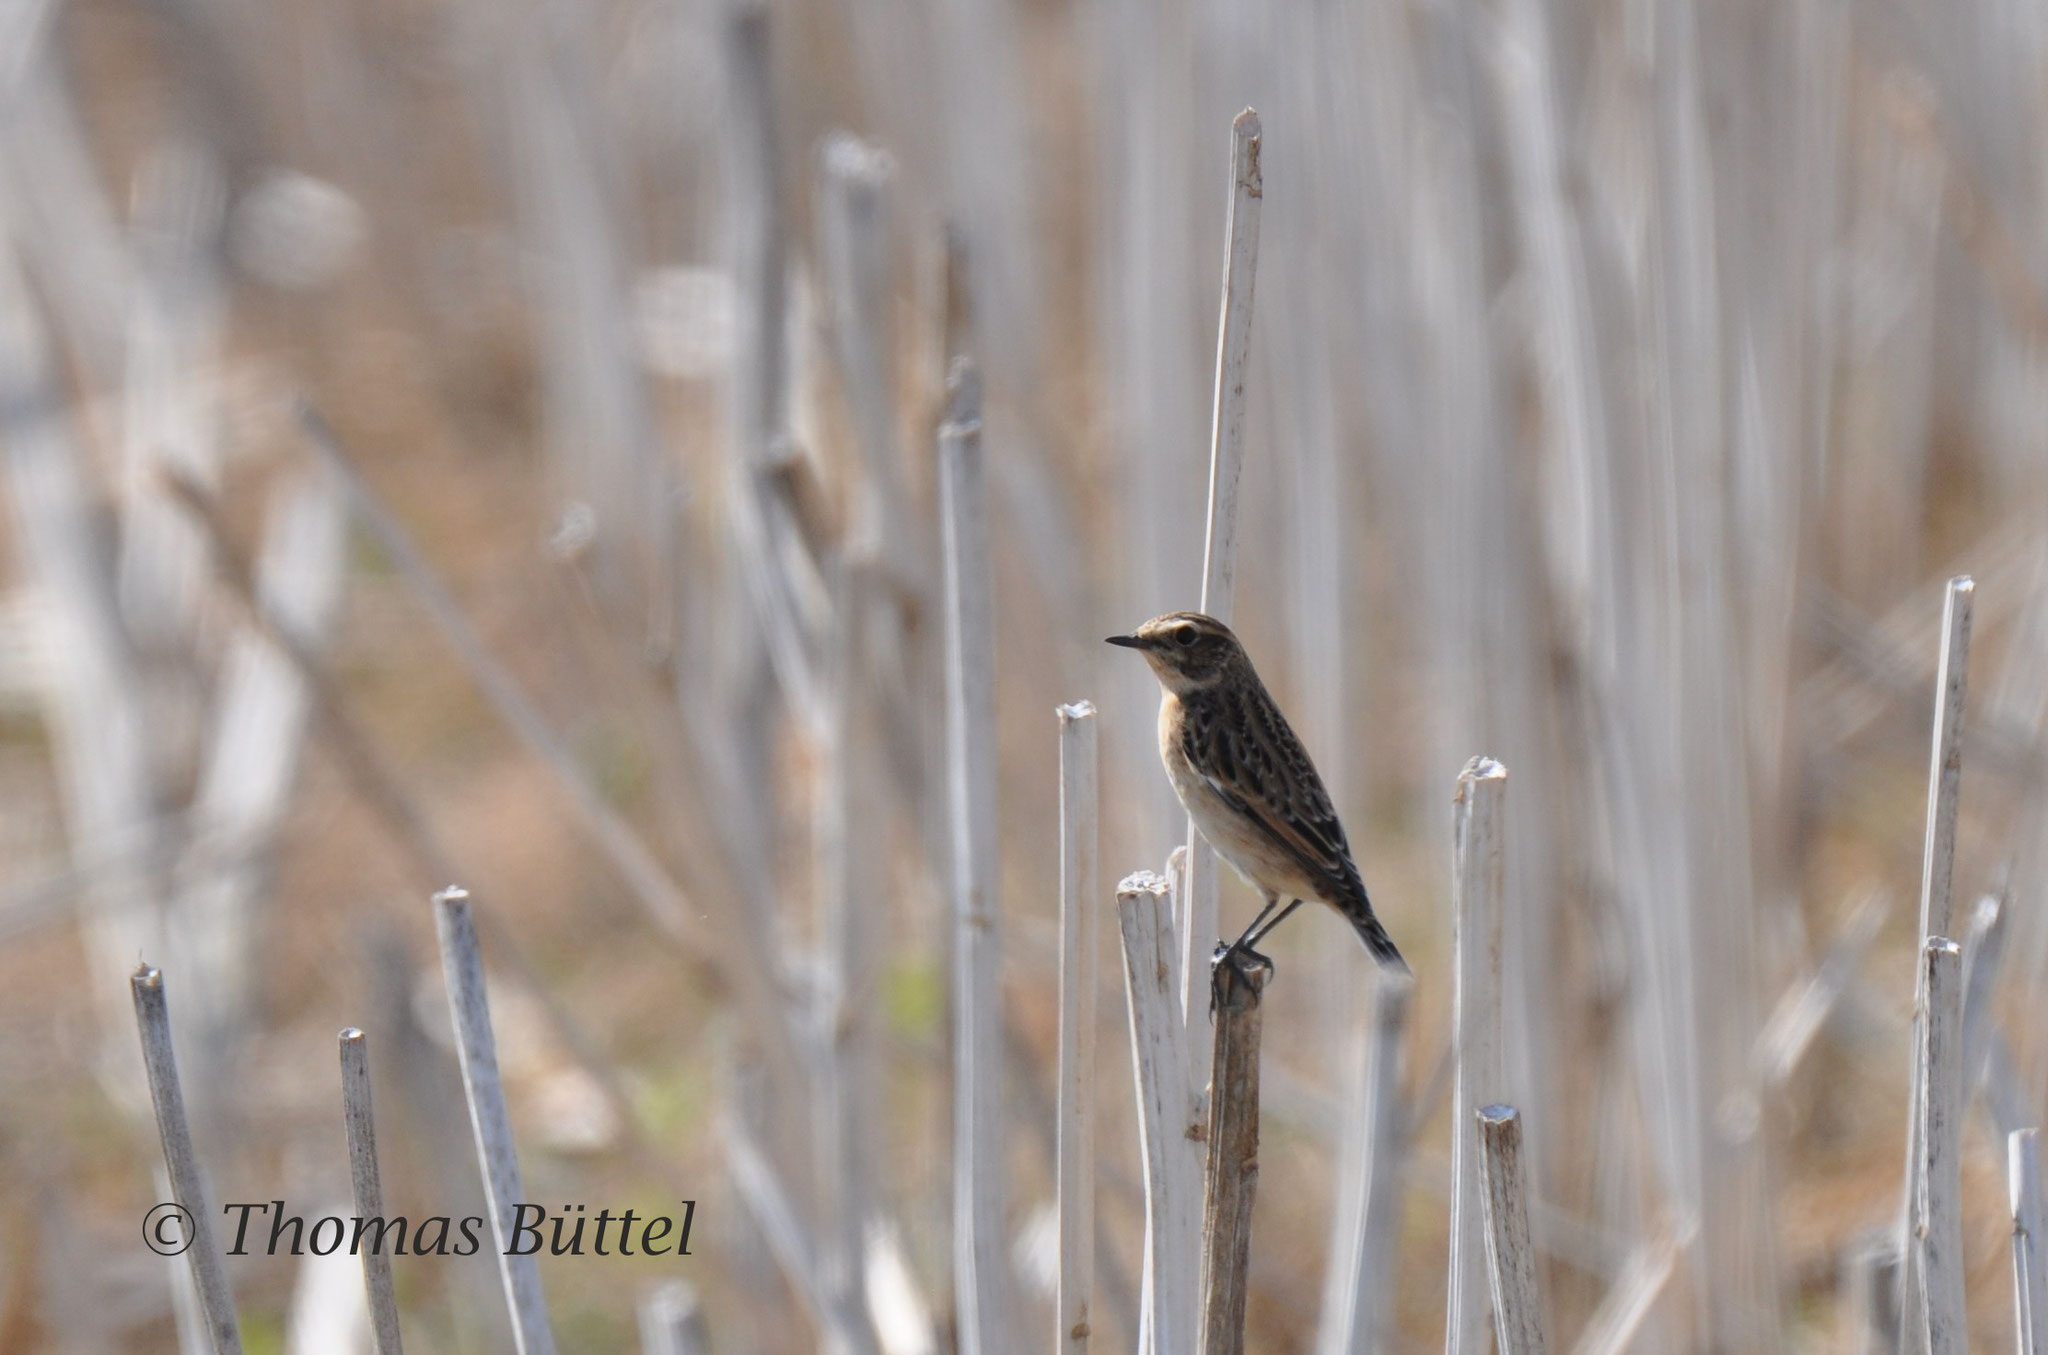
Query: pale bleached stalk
x=1937, y=871
x=262, y=709
x=766, y=1198
x=672, y=1321
x=759, y=263
x=1233, y=349
x=94, y=703
x=1078, y=971
x=737, y=941
x=597, y=422
x=652, y=886
x=1219, y=552
x=1945, y=772
x=1169, y=1118
x=181, y=1161
x=2029, y=1263
x=327, y=1315
x=1938, y=1172
x=1232, y=1175
x=846, y=1071
x=1983, y=957
x=1510, y=1257
x=1359, y=1281
x=1612, y=1328
x=1476, y=886
x=367, y=1188
x=462, y=966
x=1870, y=1290
x=896, y=1304
x=67, y=230
x=775, y=568
x=856, y=183
x=1798, y=1017
x=980, y=1253
x=171, y=404
x=373, y=778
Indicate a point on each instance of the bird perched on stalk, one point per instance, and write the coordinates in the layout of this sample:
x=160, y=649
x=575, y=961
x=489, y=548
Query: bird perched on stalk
x=1246, y=780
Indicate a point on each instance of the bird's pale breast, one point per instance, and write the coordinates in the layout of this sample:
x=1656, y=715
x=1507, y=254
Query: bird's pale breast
x=1249, y=852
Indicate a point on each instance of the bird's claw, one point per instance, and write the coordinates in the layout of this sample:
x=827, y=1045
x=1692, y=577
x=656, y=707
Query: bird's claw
x=1240, y=957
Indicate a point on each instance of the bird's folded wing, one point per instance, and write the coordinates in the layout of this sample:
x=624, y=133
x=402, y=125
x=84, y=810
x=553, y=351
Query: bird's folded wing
x=1254, y=762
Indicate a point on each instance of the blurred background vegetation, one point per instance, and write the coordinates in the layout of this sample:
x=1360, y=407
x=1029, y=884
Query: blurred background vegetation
x=1626, y=378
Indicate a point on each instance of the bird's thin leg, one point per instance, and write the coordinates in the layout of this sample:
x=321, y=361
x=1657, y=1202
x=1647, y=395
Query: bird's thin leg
x=1272, y=902
x=1243, y=944
x=1255, y=933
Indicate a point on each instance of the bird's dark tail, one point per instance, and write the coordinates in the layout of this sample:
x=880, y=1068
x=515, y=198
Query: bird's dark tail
x=1358, y=910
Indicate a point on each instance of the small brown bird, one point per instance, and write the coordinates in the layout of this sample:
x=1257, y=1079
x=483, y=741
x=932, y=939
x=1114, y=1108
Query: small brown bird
x=1246, y=780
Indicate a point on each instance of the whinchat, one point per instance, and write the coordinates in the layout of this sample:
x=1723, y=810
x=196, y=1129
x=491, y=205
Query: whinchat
x=1246, y=780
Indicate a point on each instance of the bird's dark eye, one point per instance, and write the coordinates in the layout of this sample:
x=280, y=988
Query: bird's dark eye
x=1185, y=637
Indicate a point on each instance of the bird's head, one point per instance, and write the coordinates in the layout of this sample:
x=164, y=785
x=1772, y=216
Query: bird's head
x=1187, y=650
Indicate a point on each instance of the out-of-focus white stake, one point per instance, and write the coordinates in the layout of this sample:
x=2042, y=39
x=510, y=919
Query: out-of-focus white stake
x=1078, y=969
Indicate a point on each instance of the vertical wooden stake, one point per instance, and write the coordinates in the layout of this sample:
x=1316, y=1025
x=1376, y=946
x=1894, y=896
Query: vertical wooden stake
x=476, y=1048
x=1237, y=985
x=1168, y=1127
x=2029, y=1264
x=1940, y=1174
x=1476, y=886
x=1937, y=874
x=367, y=1187
x=1510, y=1256
x=181, y=1160
x=980, y=1251
x=1078, y=976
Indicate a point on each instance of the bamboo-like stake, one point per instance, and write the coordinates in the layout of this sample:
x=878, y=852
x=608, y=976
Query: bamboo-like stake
x=1169, y=1121
x=1510, y=1256
x=980, y=1254
x=1937, y=872
x=367, y=1187
x=462, y=966
x=181, y=1160
x=1939, y=1170
x=1359, y=1281
x=1078, y=975
x=1476, y=885
x=1232, y=1178
x=2029, y=1264
x=1219, y=552
x=672, y=1321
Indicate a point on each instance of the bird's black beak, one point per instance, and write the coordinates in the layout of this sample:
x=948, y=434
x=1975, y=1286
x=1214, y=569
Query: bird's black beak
x=1128, y=642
